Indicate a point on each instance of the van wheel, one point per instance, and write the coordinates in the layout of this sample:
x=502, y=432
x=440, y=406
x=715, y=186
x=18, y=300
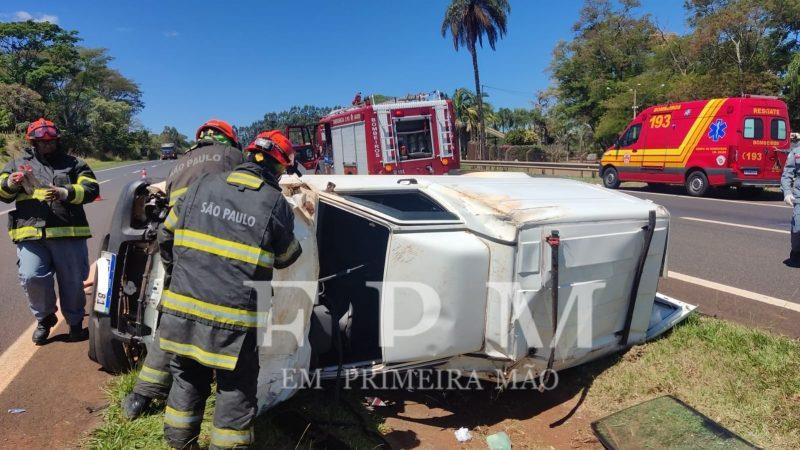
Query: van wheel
x=611, y=178
x=104, y=348
x=697, y=184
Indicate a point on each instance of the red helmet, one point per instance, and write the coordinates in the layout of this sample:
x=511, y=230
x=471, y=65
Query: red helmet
x=221, y=126
x=275, y=144
x=42, y=130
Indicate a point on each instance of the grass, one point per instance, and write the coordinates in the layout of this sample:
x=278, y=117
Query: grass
x=748, y=380
x=271, y=429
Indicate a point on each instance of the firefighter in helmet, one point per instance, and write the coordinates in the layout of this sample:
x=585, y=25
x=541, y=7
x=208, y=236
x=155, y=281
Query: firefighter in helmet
x=217, y=150
x=226, y=230
x=49, y=227
x=790, y=185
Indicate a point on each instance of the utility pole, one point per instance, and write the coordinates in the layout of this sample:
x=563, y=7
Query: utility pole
x=635, y=106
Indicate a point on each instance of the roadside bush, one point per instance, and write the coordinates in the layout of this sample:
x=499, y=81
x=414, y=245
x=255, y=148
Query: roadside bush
x=521, y=136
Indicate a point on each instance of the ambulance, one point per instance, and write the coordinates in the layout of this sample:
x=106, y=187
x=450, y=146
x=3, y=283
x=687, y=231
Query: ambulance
x=735, y=141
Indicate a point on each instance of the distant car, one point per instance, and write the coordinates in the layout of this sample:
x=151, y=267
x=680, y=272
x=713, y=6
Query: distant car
x=168, y=151
x=488, y=245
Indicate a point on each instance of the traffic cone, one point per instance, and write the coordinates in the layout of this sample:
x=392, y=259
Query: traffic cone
x=99, y=198
x=144, y=173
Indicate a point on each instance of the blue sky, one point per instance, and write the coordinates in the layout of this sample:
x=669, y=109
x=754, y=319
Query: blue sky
x=236, y=60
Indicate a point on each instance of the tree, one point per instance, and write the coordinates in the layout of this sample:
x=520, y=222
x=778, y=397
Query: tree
x=19, y=105
x=468, y=22
x=171, y=135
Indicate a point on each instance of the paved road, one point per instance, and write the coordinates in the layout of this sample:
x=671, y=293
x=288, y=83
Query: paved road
x=738, y=243
x=13, y=307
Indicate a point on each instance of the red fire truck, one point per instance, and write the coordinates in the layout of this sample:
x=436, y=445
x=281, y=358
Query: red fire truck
x=736, y=141
x=414, y=135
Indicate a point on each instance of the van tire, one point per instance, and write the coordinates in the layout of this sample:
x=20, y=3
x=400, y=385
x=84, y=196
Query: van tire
x=105, y=348
x=611, y=178
x=697, y=183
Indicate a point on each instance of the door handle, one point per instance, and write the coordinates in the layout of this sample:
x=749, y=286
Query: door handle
x=634, y=151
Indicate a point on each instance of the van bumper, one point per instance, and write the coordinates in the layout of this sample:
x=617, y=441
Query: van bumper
x=733, y=178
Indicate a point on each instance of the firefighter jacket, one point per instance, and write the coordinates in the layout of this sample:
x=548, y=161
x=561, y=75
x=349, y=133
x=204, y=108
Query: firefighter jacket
x=207, y=156
x=36, y=219
x=790, y=180
x=227, y=230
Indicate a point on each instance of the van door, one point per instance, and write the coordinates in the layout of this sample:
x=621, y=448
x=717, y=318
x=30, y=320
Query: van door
x=659, y=136
x=754, y=154
x=630, y=144
x=433, y=299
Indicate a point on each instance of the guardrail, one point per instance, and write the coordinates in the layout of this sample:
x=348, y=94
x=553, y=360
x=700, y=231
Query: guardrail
x=583, y=170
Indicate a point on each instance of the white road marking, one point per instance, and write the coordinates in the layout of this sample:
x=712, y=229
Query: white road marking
x=706, y=198
x=751, y=227
x=17, y=355
x=736, y=291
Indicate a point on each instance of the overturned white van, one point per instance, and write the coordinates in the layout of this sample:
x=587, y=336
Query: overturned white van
x=475, y=272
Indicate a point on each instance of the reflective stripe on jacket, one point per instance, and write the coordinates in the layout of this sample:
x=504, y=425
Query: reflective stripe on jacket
x=34, y=218
x=225, y=231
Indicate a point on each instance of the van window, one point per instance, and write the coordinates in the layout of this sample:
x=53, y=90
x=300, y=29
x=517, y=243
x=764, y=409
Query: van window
x=403, y=205
x=777, y=129
x=753, y=128
x=631, y=136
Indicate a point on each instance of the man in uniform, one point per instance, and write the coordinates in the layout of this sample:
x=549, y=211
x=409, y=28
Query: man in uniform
x=49, y=227
x=790, y=185
x=226, y=230
x=217, y=151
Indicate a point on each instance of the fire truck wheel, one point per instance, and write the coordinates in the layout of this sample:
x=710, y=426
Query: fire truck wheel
x=611, y=178
x=697, y=183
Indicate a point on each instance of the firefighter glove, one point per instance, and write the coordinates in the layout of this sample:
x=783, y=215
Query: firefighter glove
x=15, y=180
x=789, y=199
x=56, y=193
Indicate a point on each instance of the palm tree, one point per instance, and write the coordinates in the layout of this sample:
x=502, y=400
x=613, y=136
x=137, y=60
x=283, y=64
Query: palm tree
x=469, y=21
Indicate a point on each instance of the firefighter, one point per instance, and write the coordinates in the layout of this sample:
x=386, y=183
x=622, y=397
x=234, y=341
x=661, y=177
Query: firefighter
x=228, y=229
x=790, y=185
x=49, y=227
x=217, y=150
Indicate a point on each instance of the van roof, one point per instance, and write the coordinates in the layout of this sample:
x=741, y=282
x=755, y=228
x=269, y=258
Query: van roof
x=498, y=204
x=696, y=105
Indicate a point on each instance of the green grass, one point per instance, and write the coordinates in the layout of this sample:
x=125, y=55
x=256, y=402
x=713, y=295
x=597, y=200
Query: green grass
x=746, y=379
x=318, y=407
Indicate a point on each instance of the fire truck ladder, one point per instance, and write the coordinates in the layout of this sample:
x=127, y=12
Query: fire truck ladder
x=388, y=138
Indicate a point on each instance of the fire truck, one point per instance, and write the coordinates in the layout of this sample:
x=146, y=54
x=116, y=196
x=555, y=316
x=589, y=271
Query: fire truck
x=414, y=135
x=735, y=141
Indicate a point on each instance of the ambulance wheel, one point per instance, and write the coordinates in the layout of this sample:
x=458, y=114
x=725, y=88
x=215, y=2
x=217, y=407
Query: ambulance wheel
x=104, y=348
x=611, y=178
x=697, y=184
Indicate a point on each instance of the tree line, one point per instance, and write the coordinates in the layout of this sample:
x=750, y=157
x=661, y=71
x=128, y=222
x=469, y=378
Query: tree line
x=45, y=72
x=619, y=61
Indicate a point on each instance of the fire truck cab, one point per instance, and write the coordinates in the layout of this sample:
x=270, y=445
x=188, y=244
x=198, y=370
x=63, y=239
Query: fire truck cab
x=736, y=141
x=413, y=136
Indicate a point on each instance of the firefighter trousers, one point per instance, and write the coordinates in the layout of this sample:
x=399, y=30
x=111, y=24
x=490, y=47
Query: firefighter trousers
x=235, y=407
x=154, y=379
x=796, y=228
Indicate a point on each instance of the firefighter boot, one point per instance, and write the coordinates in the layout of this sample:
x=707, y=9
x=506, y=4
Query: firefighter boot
x=794, y=259
x=77, y=333
x=134, y=405
x=43, y=329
